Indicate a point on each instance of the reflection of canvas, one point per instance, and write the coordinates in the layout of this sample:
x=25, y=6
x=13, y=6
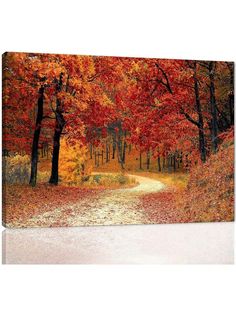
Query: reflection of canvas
x=108, y=140
x=140, y=244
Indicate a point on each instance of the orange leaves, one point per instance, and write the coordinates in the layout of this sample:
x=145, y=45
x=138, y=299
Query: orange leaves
x=161, y=207
x=72, y=162
x=210, y=192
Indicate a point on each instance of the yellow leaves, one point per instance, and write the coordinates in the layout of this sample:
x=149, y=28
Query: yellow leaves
x=72, y=161
x=106, y=101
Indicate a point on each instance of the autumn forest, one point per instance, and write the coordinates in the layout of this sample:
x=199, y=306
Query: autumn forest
x=90, y=140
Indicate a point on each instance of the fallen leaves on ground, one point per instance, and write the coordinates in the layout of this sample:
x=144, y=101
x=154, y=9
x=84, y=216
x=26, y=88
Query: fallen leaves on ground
x=21, y=202
x=209, y=195
x=161, y=207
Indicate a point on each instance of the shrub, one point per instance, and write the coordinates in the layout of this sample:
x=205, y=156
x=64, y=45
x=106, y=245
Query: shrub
x=109, y=180
x=122, y=179
x=16, y=169
x=97, y=178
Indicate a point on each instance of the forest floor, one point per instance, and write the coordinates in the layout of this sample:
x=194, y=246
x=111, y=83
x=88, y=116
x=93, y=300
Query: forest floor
x=151, y=201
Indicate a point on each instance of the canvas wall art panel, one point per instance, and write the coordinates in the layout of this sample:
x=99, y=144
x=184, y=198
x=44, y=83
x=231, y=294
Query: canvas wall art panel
x=93, y=140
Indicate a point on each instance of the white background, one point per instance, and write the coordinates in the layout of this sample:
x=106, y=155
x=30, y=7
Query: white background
x=170, y=29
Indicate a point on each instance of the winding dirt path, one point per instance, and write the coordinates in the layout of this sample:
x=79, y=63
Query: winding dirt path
x=110, y=207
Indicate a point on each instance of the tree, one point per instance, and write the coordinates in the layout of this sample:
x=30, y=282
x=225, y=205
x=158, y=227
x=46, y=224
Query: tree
x=166, y=109
x=59, y=125
x=35, y=145
x=25, y=76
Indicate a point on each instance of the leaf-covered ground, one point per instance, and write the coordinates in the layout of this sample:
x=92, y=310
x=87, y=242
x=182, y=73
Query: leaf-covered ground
x=48, y=206
x=209, y=195
x=161, y=207
x=149, y=202
x=22, y=202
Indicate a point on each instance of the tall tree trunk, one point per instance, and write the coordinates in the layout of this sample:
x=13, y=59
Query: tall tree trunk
x=55, y=155
x=174, y=161
x=178, y=160
x=159, y=163
x=113, y=145
x=169, y=163
x=124, y=148
x=107, y=152
x=148, y=159
x=199, y=123
x=59, y=125
x=140, y=161
x=119, y=146
x=214, y=127
x=34, y=152
x=163, y=162
x=124, y=151
x=202, y=144
x=95, y=158
x=98, y=158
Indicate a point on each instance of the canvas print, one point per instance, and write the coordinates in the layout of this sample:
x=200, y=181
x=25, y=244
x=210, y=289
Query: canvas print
x=93, y=140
